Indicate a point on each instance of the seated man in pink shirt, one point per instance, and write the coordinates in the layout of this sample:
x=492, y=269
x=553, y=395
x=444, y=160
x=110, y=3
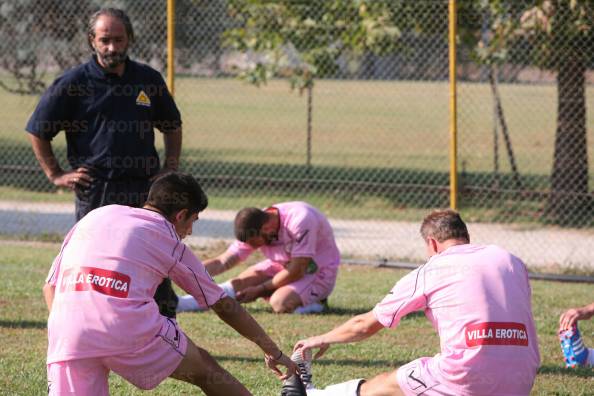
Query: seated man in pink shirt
x=478, y=300
x=301, y=263
x=100, y=294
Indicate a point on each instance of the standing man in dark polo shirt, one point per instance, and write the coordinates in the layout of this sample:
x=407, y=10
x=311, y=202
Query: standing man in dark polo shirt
x=108, y=108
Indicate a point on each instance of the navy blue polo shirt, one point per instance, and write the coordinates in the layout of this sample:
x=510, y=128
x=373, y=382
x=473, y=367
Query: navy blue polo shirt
x=109, y=120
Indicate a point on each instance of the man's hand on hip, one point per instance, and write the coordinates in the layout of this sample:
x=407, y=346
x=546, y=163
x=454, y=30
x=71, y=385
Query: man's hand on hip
x=74, y=179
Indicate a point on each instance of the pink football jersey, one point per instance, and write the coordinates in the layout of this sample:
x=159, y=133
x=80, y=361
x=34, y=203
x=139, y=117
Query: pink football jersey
x=304, y=232
x=478, y=300
x=105, y=277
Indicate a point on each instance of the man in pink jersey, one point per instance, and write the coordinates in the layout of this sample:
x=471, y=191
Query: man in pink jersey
x=301, y=263
x=100, y=294
x=478, y=300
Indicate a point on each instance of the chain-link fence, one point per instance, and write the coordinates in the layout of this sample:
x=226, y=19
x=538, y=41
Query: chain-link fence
x=525, y=69
x=345, y=104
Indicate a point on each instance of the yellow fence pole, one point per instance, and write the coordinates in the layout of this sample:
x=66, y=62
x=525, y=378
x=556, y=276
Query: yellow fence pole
x=171, y=45
x=453, y=109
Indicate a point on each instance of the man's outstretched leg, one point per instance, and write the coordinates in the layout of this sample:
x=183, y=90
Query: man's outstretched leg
x=198, y=367
x=383, y=384
x=250, y=277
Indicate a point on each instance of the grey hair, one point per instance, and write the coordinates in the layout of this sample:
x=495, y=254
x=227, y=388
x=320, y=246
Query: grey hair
x=113, y=12
x=443, y=225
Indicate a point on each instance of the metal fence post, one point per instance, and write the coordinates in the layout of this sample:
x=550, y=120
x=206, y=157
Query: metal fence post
x=453, y=107
x=171, y=45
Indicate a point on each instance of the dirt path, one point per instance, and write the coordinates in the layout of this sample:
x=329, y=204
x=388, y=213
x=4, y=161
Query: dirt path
x=539, y=247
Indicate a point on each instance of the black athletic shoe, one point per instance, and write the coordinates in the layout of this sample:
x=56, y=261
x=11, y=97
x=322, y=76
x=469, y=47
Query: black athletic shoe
x=293, y=387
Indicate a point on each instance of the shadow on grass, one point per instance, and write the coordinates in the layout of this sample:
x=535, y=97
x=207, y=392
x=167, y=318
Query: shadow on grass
x=339, y=311
x=332, y=311
x=492, y=197
x=388, y=364
x=23, y=324
x=405, y=187
x=562, y=371
x=358, y=311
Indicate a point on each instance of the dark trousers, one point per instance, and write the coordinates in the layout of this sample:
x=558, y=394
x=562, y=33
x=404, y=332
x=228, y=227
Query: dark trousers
x=101, y=192
x=130, y=192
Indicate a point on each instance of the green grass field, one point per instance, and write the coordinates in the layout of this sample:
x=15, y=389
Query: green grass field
x=23, y=316
x=379, y=148
x=369, y=124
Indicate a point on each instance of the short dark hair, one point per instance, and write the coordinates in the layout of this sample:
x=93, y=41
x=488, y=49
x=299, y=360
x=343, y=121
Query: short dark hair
x=176, y=191
x=113, y=12
x=248, y=223
x=444, y=224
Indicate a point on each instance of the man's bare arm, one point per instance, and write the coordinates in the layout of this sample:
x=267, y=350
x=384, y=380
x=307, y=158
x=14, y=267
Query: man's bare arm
x=48, y=293
x=294, y=271
x=571, y=316
x=221, y=263
x=357, y=328
x=173, y=145
x=50, y=166
x=239, y=319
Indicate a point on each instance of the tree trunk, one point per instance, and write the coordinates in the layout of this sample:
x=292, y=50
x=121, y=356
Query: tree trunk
x=504, y=131
x=569, y=200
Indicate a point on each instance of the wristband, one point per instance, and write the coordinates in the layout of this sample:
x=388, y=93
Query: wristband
x=279, y=356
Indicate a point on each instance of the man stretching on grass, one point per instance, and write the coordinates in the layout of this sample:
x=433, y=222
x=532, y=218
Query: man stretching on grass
x=478, y=300
x=100, y=294
x=302, y=259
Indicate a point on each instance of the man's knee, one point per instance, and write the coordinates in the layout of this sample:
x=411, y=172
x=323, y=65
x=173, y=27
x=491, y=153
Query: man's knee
x=278, y=306
x=283, y=301
x=382, y=384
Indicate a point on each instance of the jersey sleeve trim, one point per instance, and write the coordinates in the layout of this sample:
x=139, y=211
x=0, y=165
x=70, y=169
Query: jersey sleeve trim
x=408, y=300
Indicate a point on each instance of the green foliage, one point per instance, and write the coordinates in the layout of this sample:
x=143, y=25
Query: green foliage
x=300, y=40
x=33, y=32
x=557, y=35
x=199, y=25
x=536, y=32
x=36, y=35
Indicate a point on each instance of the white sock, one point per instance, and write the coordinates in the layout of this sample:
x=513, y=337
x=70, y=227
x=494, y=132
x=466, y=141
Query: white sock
x=310, y=308
x=188, y=303
x=228, y=288
x=348, y=388
x=590, y=359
